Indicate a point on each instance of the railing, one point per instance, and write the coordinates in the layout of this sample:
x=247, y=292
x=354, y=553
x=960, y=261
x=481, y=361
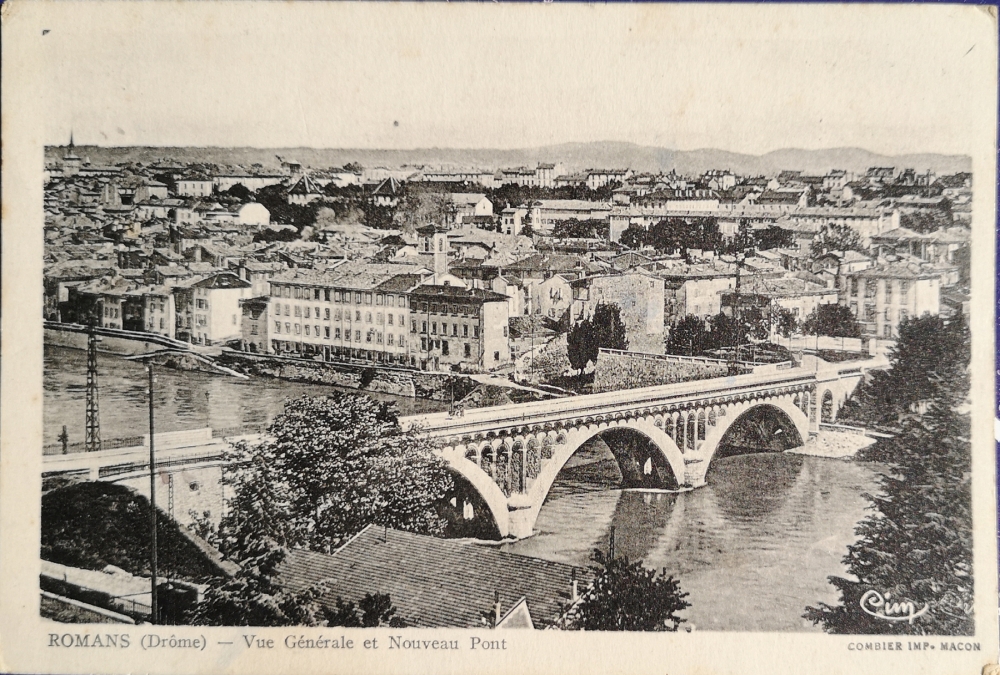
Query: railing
x=165, y=440
x=143, y=467
x=242, y=430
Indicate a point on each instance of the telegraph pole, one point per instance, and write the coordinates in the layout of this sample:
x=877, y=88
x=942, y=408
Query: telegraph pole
x=152, y=499
x=93, y=440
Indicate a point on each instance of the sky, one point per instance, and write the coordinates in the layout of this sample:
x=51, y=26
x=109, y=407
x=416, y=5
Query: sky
x=742, y=78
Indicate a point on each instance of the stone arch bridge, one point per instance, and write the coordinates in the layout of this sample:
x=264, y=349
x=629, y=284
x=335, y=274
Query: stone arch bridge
x=662, y=437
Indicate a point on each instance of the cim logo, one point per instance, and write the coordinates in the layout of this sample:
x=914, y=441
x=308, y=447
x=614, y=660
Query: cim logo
x=875, y=604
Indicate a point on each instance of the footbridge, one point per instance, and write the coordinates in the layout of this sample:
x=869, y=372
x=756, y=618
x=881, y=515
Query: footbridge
x=662, y=437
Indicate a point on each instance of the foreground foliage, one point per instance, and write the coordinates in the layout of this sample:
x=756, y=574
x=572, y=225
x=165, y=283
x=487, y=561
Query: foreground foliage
x=628, y=596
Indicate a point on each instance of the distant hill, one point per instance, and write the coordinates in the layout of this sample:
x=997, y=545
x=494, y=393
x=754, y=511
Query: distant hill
x=575, y=157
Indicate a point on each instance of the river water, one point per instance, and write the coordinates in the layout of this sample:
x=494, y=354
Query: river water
x=753, y=547
x=184, y=399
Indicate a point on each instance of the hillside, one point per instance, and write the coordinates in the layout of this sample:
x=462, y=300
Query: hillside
x=575, y=157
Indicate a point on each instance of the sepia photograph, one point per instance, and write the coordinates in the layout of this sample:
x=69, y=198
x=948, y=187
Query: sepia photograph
x=335, y=322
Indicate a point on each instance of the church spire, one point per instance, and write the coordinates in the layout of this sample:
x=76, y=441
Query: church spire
x=71, y=138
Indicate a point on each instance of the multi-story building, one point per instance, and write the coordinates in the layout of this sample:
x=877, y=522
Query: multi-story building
x=890, y=292
x=452, y=326
x=355, y=311
x=512, y=219
x=597, y=178
x=208, y=308
x=545, y=213
x=638, y=294
x=195, y=186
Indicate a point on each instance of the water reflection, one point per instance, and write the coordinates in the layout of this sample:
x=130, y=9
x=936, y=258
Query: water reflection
x=753, y=547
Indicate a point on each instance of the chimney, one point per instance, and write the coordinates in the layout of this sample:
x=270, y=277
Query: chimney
x=574, y=592
x=496, y=608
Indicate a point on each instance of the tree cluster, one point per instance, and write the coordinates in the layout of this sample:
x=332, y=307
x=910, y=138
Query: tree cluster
x=604, y=329
x=627, y=596
x=581, y=229
x=836, y=237
x=833, y=320
x=917, y=545
x=695, y=336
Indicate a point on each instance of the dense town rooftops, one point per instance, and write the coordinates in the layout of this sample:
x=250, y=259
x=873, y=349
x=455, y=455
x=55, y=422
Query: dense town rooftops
x=434, y=583
x=477, y=295
x=571, y=205
x=952, y=235
x=353, y=275
x=898, y=270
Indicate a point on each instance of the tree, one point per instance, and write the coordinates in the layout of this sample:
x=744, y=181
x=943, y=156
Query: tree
x=917, y=547
x=330, y=466
x=628, y=596
x=832, y=320
x=786, y=322
x=251, y=598
x=603, y=330
x=375, y=610
x=835, y=237
x=633, y=237
x=688, y=337
x=772, y=237
x=579, y=229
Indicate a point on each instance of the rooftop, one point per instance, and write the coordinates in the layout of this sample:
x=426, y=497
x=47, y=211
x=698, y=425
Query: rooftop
x=434, y=583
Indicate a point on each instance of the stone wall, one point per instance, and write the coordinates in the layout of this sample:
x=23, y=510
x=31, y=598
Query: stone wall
x=375, y=378
x=631, y=370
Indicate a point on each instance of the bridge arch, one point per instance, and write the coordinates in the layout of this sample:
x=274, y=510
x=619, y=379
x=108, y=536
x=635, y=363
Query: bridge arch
x=783, y=407
x=525, y=507
x=490, y=492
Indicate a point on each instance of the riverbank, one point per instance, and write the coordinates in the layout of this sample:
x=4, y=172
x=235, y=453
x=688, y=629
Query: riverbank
x=833, y=444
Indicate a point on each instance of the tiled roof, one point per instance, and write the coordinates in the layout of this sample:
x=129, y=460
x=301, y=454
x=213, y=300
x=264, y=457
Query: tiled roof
x=434, y=583
x=457, y=293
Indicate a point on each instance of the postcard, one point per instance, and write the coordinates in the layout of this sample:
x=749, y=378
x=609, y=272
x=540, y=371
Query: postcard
x=347, y=337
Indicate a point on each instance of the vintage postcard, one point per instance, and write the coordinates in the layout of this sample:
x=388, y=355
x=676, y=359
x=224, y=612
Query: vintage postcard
x=487, y=338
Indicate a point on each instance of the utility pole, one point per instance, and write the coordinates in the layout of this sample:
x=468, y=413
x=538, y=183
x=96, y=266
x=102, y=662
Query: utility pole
x=152, y=499
x=93, y=440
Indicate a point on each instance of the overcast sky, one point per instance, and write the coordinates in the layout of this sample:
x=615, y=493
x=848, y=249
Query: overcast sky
x=741, y=78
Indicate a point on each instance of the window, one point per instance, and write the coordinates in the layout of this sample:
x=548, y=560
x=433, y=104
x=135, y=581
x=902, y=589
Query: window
x=307, y=329
x=234, y=319
x=423, y=327
x=368, y=298
x=423, y=344
x=316, y=331
x=378, y=299
x=357, y=315
x=357, y=298
x=336, y=296
x=288, y=327
x=505, y=331
x=316, y=312
x=391, y=300
x=402, y=321
x=870, y=313
x=378, y=318
x=287, y=310
x=389, y=339
x=465, y=331
x=368, y=317
x=870, y=288
x=444, y=347
x=888, y=314
x=357, y=336
x=888, y=291
x=336, y=333
x=298, y=311
x=475, y=331
x=161, y=324
x=434, y=328
x=326, y=313
x=200, y=303
x=468, y=350
x=307, y=313
x=854, y=309
x=326, y=294
x=903, y=315
x=378, y=338
x=496, y=356
x=454, y=329
x=402, y=341
x=904, y=290
x=390, y=318
x=315, y=294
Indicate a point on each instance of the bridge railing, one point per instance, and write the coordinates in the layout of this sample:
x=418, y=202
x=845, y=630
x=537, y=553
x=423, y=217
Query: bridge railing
x=614, y=401
x=167, y=439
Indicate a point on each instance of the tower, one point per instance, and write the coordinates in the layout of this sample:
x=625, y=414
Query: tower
x=71, y=162
x=93, y=405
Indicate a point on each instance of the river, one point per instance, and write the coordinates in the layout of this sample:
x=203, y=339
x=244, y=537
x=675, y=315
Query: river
x=184, y=399
x=753, y=547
